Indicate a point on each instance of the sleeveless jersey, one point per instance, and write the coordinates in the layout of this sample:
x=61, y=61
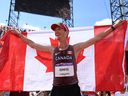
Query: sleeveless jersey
x=65, y=68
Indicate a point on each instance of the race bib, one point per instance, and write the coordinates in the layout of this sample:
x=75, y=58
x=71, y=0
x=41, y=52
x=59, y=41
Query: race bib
x=64, y=70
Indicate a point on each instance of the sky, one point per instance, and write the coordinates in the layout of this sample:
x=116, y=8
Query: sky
x=85, y=13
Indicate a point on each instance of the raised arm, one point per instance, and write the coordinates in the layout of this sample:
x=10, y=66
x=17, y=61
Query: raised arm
x=33, y=44
x=82, y=45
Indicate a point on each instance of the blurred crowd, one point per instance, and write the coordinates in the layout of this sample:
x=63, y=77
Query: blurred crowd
x=47, y=93
x=4, y=29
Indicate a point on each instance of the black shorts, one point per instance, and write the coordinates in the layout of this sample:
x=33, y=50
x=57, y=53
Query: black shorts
x=70, y=90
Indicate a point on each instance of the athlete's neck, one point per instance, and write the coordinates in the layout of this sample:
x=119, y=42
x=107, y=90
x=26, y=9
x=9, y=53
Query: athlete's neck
x=63, y=46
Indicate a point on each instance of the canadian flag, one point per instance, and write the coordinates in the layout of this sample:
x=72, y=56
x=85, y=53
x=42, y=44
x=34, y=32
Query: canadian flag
x=100, y=66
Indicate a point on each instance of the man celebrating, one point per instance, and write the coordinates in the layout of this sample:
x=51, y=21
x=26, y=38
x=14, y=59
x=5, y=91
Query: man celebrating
x=65, y=82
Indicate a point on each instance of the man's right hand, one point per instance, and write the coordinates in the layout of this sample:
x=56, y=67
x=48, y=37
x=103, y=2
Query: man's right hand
x=16, y=32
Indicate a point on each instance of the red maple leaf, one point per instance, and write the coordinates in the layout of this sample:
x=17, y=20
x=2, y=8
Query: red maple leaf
x=46, y=58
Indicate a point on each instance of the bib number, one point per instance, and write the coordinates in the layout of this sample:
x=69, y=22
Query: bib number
x=64, y=70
